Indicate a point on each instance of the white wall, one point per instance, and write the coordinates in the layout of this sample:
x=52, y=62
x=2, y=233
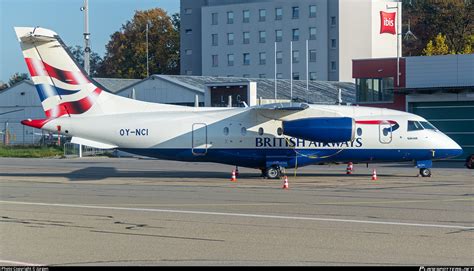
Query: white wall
x=23, y=99
x=158, y=90
x=359, y=33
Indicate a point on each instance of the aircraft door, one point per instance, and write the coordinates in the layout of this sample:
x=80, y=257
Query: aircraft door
x=385, y=132
x=199, y=139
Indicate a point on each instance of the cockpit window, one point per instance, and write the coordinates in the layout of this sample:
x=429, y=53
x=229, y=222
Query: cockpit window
x=414, y=126
x=427, y=125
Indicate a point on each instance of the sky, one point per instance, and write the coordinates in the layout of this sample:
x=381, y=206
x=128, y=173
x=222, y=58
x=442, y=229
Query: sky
x=65, y=18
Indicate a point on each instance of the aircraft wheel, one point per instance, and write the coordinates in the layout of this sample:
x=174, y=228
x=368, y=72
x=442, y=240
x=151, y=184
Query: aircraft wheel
x=273, y=172
x=425, y=172
x=470, y=162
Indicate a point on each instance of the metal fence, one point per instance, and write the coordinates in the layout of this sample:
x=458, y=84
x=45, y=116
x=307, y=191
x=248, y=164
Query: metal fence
x=72, y=150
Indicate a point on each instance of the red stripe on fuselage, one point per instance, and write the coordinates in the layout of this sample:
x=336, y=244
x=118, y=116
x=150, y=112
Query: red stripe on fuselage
x=375, y=121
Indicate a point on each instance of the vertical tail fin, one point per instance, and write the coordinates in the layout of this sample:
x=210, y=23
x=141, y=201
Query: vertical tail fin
x=63, y=87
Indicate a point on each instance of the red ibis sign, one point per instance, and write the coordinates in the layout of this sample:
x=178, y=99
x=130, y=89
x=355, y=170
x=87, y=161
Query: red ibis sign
x=387, y=22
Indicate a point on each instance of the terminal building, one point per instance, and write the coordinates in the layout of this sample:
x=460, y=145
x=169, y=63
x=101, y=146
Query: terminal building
x=300, y=39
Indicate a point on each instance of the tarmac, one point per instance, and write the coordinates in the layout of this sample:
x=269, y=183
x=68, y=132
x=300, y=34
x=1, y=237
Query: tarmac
x=129, y=211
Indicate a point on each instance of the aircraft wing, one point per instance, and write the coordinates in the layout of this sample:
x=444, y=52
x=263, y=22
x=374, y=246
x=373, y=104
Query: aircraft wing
x=282, y=106
x=279, y=110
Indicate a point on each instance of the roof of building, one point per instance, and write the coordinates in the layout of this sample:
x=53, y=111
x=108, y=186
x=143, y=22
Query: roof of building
x=114, y=85
x=322, y=92
x=319, y=92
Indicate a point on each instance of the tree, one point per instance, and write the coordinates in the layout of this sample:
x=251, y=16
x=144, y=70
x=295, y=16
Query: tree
x=439, y=47
x=17, y=77
x=126, y=51
x=94, y=63
x=454, y=18
x=3, y=85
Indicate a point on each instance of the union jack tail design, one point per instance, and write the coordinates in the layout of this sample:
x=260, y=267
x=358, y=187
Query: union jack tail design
x=63, y=86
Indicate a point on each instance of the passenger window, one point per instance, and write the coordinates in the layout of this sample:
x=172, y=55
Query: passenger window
x=243, y=131
x=260, y=131
x=226, y=130
x=279, y=131
x=414, y=126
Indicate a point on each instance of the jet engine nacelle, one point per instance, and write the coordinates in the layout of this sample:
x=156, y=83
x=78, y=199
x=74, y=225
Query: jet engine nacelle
x=326, y=130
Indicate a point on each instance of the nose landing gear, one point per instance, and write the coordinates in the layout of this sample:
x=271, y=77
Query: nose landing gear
x=424, y=167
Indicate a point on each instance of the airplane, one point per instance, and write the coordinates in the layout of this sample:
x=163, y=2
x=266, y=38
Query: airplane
x=269, y=137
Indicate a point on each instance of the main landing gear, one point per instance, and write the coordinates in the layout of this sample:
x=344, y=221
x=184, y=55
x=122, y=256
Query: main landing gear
x=273, y=172
x=425, y=172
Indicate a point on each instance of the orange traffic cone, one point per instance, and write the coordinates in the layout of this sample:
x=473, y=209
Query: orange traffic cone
x=349, y=168
x=233, y=178
x=285, y=183
x=374, y=175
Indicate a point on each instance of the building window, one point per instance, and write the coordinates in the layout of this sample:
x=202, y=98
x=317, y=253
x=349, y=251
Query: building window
x=312, y=76
x=246, y=37
x=279, y=75
x=188, y=52
x=246, y=16
x=295, y=56
x=374, y=89
x=230, y=38
x=262, y=36
x=279, y=57
x=230, y=17
x=333, y=65
x=295, y=12
x=246, y=59
x=296, y=76
x=262, y=58
x=188, y=11
x=188, y=31
x=278, y=13
x=312, y=33
x=312, y=11
x=215, y=61
x=214, y=40
x=333, y=43
x=295, y=34
x=246, y=75
x=262, y=75
x=230, y=60
x=312, y=55
x=333, y=20
x=278, y=35
x=262, y=15
x=214, y=18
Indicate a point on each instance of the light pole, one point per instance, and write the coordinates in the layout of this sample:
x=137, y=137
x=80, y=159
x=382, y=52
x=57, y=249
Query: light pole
x=87, y=48
x=399, y=33
x=147, y=49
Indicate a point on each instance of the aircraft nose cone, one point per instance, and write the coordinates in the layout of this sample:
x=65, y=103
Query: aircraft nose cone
x=454, y=150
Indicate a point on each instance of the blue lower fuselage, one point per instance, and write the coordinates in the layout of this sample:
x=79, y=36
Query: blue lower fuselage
x=290, y=158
